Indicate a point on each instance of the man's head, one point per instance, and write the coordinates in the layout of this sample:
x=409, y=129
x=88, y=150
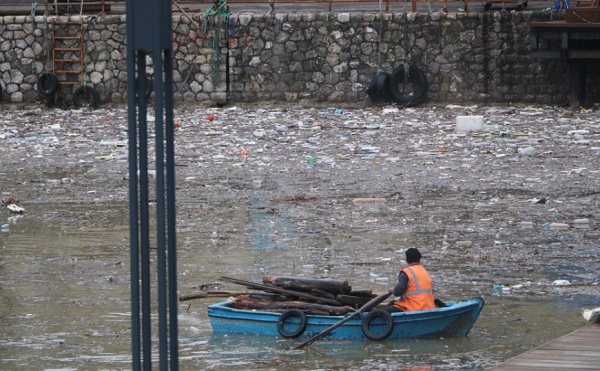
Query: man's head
x=413, y=255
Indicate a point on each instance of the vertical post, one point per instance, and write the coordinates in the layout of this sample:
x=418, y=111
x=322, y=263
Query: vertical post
x=577, y=77
x=160, y=207
x=144, y=218
x=171, y=213
x=133, y=207
x=149, y=35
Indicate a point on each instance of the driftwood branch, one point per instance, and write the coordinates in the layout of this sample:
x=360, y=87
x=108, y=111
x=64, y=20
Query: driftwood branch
x=279, y=290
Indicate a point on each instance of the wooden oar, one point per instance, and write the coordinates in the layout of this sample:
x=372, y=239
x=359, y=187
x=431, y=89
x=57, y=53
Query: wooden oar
x=364, y=308
x=210, y=294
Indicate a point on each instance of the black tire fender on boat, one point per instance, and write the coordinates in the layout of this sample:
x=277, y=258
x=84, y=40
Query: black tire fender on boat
x=389, y=324
x=379, y=86
x=93, y=95
x=414, y=76
x=282, y=322
x=47, y=84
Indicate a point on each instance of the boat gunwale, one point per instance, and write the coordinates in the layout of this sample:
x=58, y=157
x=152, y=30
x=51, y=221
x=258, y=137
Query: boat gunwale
x=456, y=306
x=228, y=320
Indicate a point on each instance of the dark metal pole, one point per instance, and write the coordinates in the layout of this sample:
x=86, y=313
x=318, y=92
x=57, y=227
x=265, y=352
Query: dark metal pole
x=133, y=204
x=171, y=216
x=160, y=210
x=144, y=213
x=149, y=33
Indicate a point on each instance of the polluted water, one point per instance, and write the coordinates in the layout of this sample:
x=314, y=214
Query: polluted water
x=315, y=191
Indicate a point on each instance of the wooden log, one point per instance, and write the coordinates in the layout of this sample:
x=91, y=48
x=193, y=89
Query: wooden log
x=279, y=290
x=307, y=284
x=242, y=302
x=355, y=301
x=322, y=294
x=266, y=307
x=363, y=293
x=265, y=296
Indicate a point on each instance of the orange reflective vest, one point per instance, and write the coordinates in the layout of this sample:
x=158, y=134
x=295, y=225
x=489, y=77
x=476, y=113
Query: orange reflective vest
x=419, y=294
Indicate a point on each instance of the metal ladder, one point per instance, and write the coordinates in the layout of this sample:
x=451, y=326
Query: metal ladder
x=67, y=52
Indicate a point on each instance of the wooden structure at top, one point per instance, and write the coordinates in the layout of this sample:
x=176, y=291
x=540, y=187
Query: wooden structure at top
x=75, y=6
x=105, y=5
x=578, y=36
x=579, y=350
x=13, y=7
x=576, y=39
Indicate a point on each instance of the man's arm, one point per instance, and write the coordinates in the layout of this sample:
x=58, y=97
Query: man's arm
x=402, y=285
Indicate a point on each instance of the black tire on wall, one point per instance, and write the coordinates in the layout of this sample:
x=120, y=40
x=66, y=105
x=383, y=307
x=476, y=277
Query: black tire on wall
x=88, y=92
x=408, y=89
x=379, y=86
x=47, y=84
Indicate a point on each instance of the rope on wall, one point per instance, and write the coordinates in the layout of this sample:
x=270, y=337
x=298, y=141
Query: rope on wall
x=379, y=68
x=406, y=62
x=32, y=15
x=93, y=22
x=219, y=14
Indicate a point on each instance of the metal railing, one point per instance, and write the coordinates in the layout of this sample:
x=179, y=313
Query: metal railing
x=178, y=5
x=387, y=3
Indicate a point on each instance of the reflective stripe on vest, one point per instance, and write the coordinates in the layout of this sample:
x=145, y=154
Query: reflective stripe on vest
x=419, y=293
x=417, y=286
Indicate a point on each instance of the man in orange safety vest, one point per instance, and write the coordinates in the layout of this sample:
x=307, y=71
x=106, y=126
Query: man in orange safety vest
x=414, y=288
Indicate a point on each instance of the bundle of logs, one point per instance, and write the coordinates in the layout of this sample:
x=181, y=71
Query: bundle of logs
x=276, y=293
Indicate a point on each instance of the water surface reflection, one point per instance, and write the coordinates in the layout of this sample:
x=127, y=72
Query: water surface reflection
x=64, y=294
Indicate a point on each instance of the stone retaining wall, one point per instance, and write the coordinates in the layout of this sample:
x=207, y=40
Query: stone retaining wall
x=467, y=57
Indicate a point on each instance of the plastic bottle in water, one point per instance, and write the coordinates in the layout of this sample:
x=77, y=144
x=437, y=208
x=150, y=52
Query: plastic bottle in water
x=527, y=151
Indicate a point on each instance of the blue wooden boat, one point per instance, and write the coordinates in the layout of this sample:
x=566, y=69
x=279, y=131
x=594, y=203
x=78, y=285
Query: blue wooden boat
x=453, y=319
